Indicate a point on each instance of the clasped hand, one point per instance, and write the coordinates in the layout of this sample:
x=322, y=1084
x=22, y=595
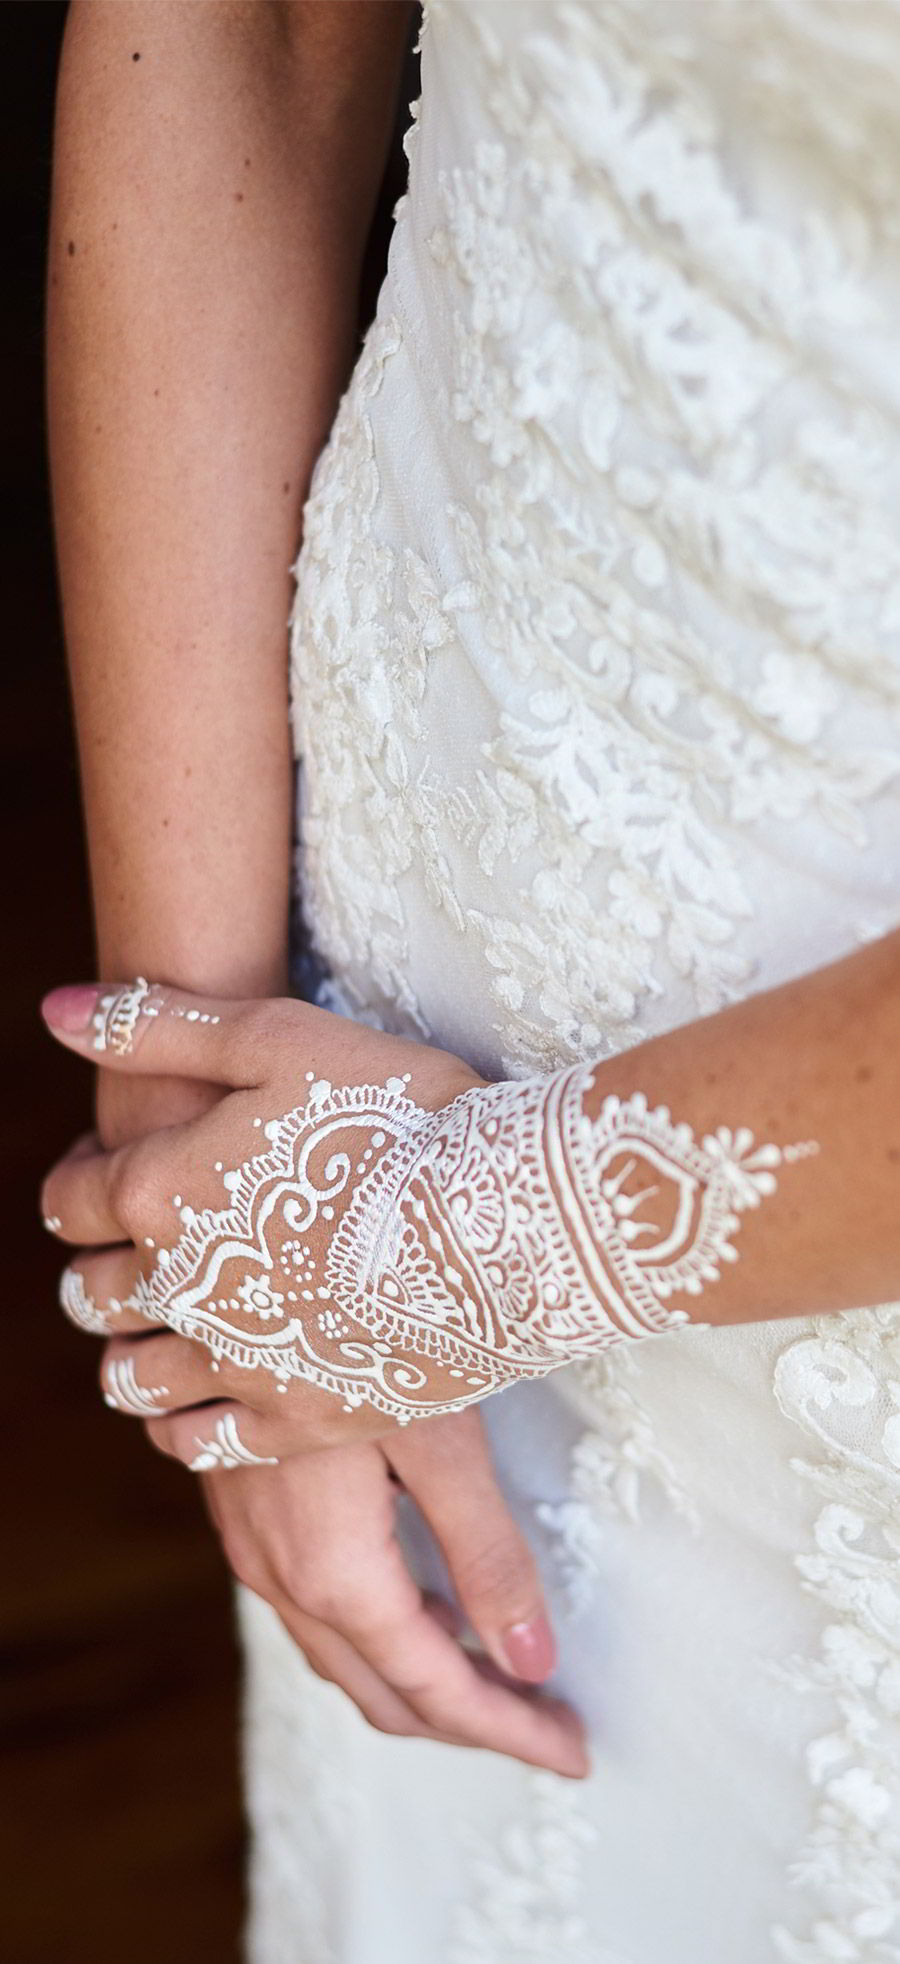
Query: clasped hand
x=315, y=1536
x=227, y=1232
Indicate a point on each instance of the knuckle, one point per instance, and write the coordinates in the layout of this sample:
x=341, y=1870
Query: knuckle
x=264, y=1032
x=257, y=1026
x=245, y=1565
x=160, y=1436
x=328, y=1601
x=442, y=1714
x=392, y=1728
x=500, y=1571
x=319, y=1670
x=131, y=1193
x=295, y=1582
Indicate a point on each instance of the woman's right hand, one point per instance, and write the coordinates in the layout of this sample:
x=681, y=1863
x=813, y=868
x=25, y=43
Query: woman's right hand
x=315, y=1537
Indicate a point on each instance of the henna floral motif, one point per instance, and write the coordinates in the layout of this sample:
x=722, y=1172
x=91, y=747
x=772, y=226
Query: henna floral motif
x=496, y=1238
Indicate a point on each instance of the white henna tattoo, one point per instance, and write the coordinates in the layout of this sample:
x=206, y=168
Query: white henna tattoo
x=116, y=1016
x=497, y=1238
x=80, y=1308
x=52, y=1223
x=226, y=1449
x=124, y=1393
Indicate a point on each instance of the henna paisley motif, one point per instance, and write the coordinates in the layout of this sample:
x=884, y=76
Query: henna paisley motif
x=496, y=1238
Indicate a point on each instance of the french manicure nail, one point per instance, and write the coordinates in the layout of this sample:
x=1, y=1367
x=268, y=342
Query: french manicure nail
x=71, y=1009
x=530, y=1650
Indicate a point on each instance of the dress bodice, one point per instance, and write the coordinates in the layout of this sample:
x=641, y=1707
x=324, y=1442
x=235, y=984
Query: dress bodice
x=598, y=617
x=596, y=696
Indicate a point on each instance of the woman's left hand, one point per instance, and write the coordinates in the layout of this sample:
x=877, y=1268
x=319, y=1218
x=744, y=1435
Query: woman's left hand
x=203, y=1249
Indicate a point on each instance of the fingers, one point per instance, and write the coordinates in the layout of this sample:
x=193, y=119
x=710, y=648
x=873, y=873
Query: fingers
x=214, y=1438
x=454, y=1698
x=446, y=1465
x=94, y=1292
x=160, y=1374
x=145, y=1027
x=98, y=1197
x=82, y=1148
x=334, y=1659
x=82, y=1195
x=316, y=1538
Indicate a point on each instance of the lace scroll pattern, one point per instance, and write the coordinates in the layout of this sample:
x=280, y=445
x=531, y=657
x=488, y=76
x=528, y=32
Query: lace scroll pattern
x=674, y=567
x=842, y=1386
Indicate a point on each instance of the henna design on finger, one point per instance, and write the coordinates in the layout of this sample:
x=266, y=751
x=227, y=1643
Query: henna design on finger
x=226, y=1449
x=81, y=1309
x=116, y=1016
x=124, y=1393
x=496, y=1238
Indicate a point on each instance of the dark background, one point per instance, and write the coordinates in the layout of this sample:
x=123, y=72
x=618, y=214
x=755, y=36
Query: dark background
x=121, y=1836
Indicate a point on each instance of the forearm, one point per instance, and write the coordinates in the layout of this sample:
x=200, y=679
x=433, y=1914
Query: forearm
x=740, y=1168
x=408, y=1238
x=815, y=1060
x=211, y=203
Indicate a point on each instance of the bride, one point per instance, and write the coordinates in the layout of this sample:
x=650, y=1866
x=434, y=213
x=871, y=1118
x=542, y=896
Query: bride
x=524, y=1296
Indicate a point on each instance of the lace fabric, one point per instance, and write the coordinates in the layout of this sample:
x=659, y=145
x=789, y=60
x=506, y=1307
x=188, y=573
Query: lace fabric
x=595, y=691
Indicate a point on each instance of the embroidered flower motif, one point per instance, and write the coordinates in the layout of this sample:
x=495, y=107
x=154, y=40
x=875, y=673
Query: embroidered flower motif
x=835, y=1384
x=526, y=1892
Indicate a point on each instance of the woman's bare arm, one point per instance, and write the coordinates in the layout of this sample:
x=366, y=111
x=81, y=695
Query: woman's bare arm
x=216, y=167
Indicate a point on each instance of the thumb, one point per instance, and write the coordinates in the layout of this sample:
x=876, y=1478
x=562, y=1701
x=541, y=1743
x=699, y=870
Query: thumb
x=151, y=1029
x=445, y=1464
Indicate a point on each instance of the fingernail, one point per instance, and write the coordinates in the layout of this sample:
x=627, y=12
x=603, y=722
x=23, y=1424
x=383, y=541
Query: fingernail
x=530, y=1650
x=71, y=1009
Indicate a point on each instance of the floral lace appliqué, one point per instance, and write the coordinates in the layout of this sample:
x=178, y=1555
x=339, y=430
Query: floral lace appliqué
x=611, y=1466
x=600, y=587
x=528, y=1890
x=842, y=1385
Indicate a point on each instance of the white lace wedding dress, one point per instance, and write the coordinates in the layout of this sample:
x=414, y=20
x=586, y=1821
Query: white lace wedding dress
x=597, y=700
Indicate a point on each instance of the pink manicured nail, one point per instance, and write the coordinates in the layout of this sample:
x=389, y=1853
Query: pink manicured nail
x=530, y=1650
x=71, y=1009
